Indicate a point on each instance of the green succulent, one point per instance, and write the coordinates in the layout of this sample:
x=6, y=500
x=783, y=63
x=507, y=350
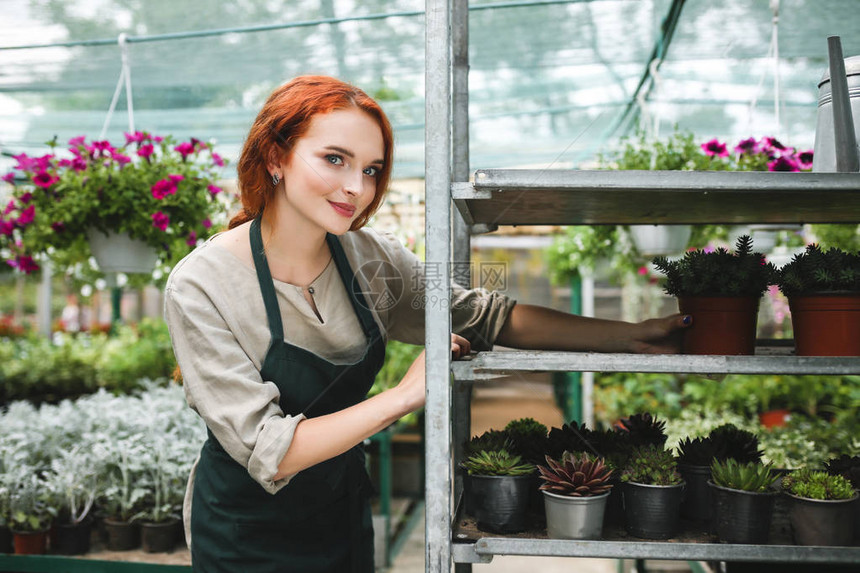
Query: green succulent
x=749, y=476
x=496, y=463
x=575, y=475
x=815, y=271
x=491, y=440
x=528, y=439
x=652, y=465
x=719, y=272
x=731, y=442
x=817, y=484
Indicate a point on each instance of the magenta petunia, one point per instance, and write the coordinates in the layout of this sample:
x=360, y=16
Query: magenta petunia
x=42, y=163
x=214, y=189
x=748, y=145
x=163, y=188
x=206, y=223
x=58, y=226
x=25, y=162
x=192, y=239
x=10, y=206
x=44, y=179
x=78, y=141
x=160, y=220
x=9, y=178
x=121, y=159
x=217, y=160
x=6, y=227
x=783, y=164
x=146, y=150
x=24, y=263
x=136, y=137
x=100, y=148
x=184, y=149
x=804, y=159
x=25, y=198
x=26, y=217
x=79, y=164
x=176, y=178
x=772, y=143
x=715, y=148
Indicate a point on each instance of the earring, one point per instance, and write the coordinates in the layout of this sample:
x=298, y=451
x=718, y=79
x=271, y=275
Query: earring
x=275, y=178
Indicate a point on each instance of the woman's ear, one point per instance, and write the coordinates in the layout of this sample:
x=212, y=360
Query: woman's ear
x=273, y=162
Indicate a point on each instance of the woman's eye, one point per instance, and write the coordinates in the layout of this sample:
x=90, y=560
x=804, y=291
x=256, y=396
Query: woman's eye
x=371, y=171
x=334, y=159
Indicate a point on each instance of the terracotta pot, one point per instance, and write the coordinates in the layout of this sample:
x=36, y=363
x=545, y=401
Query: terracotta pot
x=721, y=324
x=826, y=325
x=774, y=418
x=30, y=542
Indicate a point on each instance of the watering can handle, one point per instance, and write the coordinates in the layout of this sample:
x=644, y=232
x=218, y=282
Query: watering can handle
x=847, y=160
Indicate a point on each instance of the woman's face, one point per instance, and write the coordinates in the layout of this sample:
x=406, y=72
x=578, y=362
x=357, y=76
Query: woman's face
x=330, y=176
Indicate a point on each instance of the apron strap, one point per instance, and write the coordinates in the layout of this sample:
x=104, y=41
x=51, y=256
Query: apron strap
x=267, y=287
x=353, y=289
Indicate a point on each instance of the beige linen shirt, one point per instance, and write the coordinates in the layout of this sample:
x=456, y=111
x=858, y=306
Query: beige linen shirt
x=217, y=320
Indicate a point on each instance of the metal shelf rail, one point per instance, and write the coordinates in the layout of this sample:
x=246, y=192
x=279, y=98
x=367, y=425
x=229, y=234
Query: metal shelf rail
x=518, y=197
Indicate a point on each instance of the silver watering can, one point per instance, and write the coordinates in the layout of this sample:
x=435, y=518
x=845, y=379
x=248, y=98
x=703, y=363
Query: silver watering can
x=836, y=145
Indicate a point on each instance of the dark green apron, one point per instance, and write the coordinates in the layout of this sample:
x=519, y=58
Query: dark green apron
x=320, y=521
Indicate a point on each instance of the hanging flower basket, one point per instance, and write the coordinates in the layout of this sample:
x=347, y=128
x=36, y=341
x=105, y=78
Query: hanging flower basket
x=657, y=240
x=119, y=253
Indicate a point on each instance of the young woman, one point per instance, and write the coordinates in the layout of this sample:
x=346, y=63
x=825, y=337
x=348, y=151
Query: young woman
x=279, y=330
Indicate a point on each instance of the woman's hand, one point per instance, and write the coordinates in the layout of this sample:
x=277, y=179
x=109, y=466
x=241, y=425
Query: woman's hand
x=413, y=385
x=660, y=335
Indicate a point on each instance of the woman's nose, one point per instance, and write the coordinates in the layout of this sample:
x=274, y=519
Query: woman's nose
x=354, y=182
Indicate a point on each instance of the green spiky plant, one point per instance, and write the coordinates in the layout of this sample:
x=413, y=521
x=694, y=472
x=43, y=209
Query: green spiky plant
x=652, y=465
x=696, y=451
x=817, y=271
x=719, y=272
x=817, y=484
x=644, y=429
x=749, y=476
x=575, y=475
x=496, y=463
x=729, y=441
x=528, y=438
x=489, y=441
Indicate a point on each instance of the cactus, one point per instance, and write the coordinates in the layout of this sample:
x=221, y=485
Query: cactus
x=575, y=475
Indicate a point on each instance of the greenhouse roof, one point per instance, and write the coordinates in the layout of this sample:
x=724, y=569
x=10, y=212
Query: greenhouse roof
x=552, y=83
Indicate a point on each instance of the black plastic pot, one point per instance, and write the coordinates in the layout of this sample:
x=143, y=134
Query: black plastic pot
x=822, y=522
x=500, y=502
x=72, y=538
x=6, y=540
x=122, y=535
x=613, y=515
x=652, y=511
x=696, y=505
x=742, y=516
x=159, y=537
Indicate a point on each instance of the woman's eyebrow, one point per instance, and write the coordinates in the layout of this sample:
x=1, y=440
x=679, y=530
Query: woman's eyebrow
x=350, y=154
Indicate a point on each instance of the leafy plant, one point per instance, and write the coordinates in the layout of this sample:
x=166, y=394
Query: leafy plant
x=31, y=503
x=73, y=476
x=153, y=188
x=696, y=451
x=575, y=475
x=644, y=429
x=749, y=476
x=816, y=484
x=496, y=463
x=718, y=273
x=816, y=271
x=652, y=465
x=731, y=442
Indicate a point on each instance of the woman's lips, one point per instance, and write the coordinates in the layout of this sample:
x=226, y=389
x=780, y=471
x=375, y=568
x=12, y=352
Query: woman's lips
x=344, y=209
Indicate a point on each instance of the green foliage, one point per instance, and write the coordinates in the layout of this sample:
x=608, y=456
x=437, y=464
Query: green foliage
x=731, y=442
x=489, y=441
x=718, y=273
x=816, y=270
x=815, y=484
x=155, y=189
x=620, y=394
x=528, y=439
x=496, y=463
x=652, y=465
x=575, y=475
x=749, y=476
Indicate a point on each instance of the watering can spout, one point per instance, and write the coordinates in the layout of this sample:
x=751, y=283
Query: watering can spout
x=836, y=133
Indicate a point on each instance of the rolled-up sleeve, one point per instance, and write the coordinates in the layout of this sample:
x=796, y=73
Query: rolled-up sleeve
x=477, y=314
x=223, y=383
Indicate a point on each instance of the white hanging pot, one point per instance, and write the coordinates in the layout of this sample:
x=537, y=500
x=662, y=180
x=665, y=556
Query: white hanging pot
x=119, y=253
x=657, y=240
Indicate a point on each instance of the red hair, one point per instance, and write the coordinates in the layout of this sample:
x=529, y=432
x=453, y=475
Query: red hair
x=286, y=117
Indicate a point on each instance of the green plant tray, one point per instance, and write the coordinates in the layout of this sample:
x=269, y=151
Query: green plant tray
x=58, y=563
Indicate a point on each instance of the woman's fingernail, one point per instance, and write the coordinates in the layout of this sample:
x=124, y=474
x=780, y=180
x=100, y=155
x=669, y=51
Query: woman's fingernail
x=688, y=319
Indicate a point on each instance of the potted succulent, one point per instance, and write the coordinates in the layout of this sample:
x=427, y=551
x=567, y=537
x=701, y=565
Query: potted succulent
x=821, y=509
x=652, y=490
x=721, y=290
x=153, y=193
x=743, y=497
x=73, y=478
x=575, y=492
x=823, y=290
x=499, y=488
x=528, y=439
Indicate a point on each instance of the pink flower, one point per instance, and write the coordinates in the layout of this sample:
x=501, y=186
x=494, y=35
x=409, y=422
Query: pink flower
x=100, y=148
x=163, y=188
x=783, y=164
x=772, y=142
x=10, y=206
x=25, y=198
x=642, y=271
x=206, y=223
x=804, y=159
x=714, y=147
x=185, y=149
x=136, y=137
x=176, y=178
x=748, y=145
x=160, y=220
x=25, y=162
x=58, y=226
x=146, y=150
x=24, y=263
x=9, y=178
x=26, y=216
x=192, y=239
x=214, y=189
x=217, y=160
x=121, y=159
x=44, y=179
x=77, y=142
x=6, y=227
x=42, y=163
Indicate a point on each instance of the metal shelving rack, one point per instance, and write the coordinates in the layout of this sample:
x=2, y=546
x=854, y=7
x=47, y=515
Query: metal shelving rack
x=531, y=197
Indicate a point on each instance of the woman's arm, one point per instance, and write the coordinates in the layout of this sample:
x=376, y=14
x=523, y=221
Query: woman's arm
x=539, y=328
